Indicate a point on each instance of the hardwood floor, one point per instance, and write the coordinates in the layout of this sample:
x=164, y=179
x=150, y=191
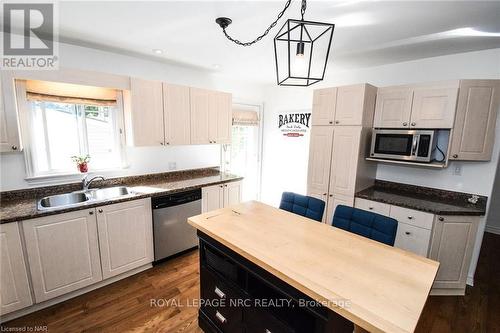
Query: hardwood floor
x=126, y=304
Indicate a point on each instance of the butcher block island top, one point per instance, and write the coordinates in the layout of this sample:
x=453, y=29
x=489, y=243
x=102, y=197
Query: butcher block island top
x=386, y=288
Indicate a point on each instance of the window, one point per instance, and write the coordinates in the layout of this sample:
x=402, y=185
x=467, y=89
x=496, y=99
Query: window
x=59, y=128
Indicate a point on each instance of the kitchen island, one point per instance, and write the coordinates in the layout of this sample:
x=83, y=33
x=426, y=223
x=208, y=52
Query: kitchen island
x=265, y=269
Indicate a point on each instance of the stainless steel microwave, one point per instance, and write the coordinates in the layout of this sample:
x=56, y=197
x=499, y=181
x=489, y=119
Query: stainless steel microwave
x=406, y=145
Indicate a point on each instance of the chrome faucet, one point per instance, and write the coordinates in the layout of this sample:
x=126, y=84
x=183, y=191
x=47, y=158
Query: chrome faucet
x=86, y=183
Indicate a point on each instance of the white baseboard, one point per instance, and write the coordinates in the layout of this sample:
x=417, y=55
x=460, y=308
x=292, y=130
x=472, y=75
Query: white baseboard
x=62, y=298
x=492, y=229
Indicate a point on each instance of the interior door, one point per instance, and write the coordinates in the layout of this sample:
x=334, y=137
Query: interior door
x=393, y=108
x=344, y=160
x=200, y=116
x=147, y=112
x=63, y=253
x=14, y=286
x=324, y=101
x=176, y=108
x=433, y=107
x=320, y=152
x=125, y=236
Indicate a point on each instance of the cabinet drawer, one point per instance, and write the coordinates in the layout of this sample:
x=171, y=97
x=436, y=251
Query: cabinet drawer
x=263, y=322
x=220, y=263
x=373, y=206
x=412, y=217
x=220, y=302
x=413, y=239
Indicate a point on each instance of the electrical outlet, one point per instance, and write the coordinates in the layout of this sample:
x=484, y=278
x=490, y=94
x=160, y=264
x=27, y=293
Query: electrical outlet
x=457, y=170
x=172, y=165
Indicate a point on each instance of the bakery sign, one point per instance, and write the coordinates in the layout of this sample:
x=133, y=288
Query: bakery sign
x=294, y=124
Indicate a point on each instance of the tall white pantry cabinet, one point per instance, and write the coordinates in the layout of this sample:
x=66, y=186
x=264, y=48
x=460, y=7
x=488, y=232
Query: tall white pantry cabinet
x=340, y=137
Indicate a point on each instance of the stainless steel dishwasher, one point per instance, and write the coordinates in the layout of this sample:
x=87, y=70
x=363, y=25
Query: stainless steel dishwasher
x=172, y=232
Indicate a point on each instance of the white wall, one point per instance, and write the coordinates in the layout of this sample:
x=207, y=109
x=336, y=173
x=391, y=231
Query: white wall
x=146, y=159
x=280, y=170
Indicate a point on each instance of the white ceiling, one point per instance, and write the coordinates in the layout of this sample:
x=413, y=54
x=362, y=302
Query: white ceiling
x=367, y=33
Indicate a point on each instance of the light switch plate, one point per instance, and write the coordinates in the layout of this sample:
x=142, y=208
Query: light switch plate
x=172, y=165
x=457, y=170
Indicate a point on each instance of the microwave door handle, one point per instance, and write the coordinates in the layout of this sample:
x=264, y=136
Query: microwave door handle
x=414, y=145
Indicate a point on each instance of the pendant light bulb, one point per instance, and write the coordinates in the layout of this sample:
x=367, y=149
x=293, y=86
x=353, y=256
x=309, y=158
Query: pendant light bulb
x=300, y=49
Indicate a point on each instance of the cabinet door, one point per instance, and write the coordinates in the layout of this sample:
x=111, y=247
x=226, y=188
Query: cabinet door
x=63, y=253
x=323, y=197
x=413, y=239
x=433, y=107
x=212, y=198
x=474, y=132
x=14, y=287
x=350, y=105
x=323, y=111
x=320, y=152
x=200, y=116
x=125, y=236
x=146, y=113
x=176, y=110
x=393, y=108
x=232, y=193
x=9, y=129
x=220, y=117
x=452, y=243
x=373, y=206
x=333, y=201
x=345, y=154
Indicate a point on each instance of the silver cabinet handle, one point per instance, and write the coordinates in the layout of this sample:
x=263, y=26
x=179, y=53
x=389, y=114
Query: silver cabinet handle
x=219, y=293
x=14, y=147
x=441, y=218
x=220, y=317
x=161, y=143
x=330, y=122
x=100, y=210
x=405, y=124
x=407, y=233
x=324, y=193
x=337, y=122
x=413, y=124
x=455, y=156
x=410, y=217
x=370, y=208
x=91, y=212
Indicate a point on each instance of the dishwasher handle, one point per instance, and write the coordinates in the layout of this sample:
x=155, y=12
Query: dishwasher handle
x=176, y=199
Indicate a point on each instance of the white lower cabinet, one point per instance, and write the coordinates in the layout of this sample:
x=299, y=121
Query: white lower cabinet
x=125, y=236
x=413, y=239
x=14, y=286
x=63, y=253
x=373, y=206
x=69, y=251
x=333, y=201
x=220, y=196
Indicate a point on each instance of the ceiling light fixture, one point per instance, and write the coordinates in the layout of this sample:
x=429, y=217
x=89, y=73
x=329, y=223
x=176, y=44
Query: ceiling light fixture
x=296, y=63
x=216, y=66
x=158, y=51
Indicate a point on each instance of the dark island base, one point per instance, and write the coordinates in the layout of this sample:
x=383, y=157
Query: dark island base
x=239, y=296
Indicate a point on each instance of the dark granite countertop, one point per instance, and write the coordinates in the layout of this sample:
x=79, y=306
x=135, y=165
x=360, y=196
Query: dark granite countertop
x=431, y=200
x=22, y=204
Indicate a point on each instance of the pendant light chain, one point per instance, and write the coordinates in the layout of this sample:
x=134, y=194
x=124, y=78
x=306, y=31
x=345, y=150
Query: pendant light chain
x=287, y=4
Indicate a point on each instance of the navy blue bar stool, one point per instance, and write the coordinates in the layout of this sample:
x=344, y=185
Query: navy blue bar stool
x=303, y=205
x=370, y=225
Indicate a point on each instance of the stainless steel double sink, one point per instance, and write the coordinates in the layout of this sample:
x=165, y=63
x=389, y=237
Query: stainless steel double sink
x=81, y=198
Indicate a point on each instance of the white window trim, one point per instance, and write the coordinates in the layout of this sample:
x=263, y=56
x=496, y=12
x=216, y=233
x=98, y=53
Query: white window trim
x=23, y=107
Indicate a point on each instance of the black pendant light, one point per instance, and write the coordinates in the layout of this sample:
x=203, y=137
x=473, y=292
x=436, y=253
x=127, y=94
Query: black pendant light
x=301, y=48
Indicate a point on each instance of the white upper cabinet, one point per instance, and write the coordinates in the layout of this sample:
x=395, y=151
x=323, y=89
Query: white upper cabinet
x=354, y=105
x=474, y=131
x=220, y=117
x=125, y=236
x=145, y=117
x=324, y=101
x=344, y=162
x=320, y=152
x=9, y=130
x=63, y=253
x=434, y=107
x=176, y=114
x=393, y=107
x=200, y=116
x=14, y=286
